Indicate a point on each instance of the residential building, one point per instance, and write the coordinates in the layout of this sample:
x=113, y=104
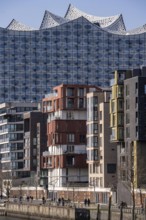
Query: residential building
x=11, y=137
x=35, y=142
x=77, y=49
x=128, y=108
x=66, y=130
x=102, y=155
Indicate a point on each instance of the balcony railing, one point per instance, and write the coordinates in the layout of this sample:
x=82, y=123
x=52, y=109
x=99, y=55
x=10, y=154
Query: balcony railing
x=6, y=159
x=75, y=152
x=4, y=131
x=2, y=150
x=53, y=94
x=4, y=140
x=3, y=121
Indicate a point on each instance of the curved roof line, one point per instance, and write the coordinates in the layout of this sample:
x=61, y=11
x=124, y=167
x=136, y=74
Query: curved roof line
x=15, y=25
x=117, y=25
x=73, y=12
x=138, y=30
x=51, y=20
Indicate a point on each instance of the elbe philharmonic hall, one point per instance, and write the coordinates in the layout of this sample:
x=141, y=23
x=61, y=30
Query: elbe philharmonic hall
x=75, y=49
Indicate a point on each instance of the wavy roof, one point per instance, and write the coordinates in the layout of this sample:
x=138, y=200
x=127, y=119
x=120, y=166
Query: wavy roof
x=114, y=24
x=73, y=13
x=15, y=25
x=51, y=20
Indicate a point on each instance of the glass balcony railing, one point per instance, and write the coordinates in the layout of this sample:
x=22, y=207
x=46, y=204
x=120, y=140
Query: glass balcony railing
x=5, y=159
x=3, y=150
x=4, y=140
x=53, y=94
x=4, y=131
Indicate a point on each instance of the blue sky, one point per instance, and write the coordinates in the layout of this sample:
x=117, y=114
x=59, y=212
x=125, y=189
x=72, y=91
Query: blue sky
x=30, y=12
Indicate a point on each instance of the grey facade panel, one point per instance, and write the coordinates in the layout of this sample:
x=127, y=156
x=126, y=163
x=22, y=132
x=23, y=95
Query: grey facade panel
x=77, y=52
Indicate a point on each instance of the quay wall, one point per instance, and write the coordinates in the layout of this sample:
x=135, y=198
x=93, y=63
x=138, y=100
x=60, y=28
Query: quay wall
x=38, y=211
x=33, y=211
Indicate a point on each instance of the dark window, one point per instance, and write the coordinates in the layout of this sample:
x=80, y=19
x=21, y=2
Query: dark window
x=70, y=91
x=82, y=138
x=81, y=103
x=111, y=168
x=70, y=103
x=70, y=160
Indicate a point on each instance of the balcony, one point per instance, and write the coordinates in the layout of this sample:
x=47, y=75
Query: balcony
x=3, y=150
x=4, y=131
x=112, y=138
x=75, y=152
x=53, y=94
x=3, y=121
x=4, y=140
x=5, y=159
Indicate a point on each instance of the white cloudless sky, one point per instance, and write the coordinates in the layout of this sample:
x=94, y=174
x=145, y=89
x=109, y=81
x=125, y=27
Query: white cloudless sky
x=30, y=12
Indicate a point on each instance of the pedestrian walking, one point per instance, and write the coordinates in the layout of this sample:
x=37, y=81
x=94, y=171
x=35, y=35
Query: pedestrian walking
x=85, y=202
x=88, y=202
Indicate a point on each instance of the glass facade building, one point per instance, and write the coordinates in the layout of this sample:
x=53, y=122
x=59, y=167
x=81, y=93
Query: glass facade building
x=76, y=49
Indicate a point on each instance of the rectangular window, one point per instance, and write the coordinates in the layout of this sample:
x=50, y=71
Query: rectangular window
x=127, y=90
x=70, y=148
x=81, y=102
x=113, y=106
x=81, y=92
x=120, y=119
x=70, y=160
x=100, y=126
x=136, y=87
x=111, y=168
x=120, y=104
x=120, y=91
x=127, y=132
x=70, y=103
x=144, y=89
x=136, y=131
x=136, y=101
x=136, y=117
x=70, y=138
x=70, y=115
x=70, y=91
x=95, y=139
x=95, y=155
x=120, y=133
x=127, y=118
x=95, y=127
x=100, y=115
x=127, y=104
x=34, y=141
x=34, y=151
x=82, y=138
